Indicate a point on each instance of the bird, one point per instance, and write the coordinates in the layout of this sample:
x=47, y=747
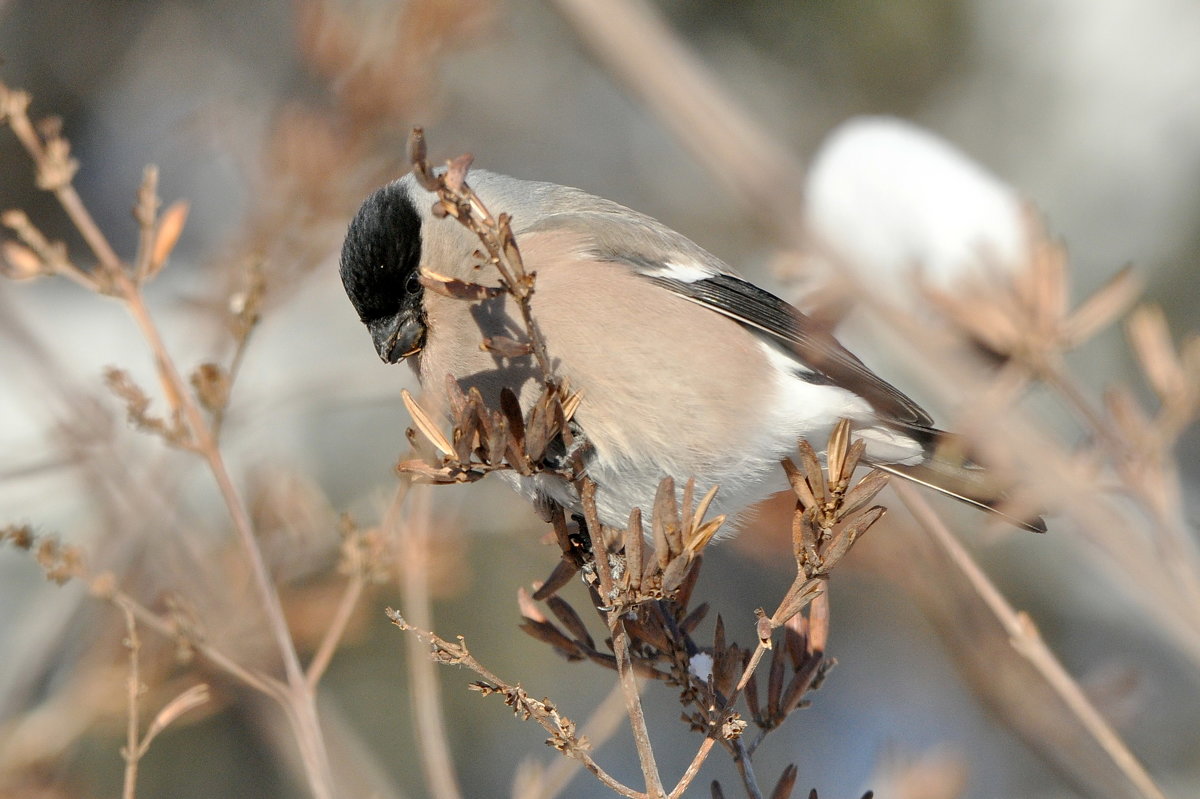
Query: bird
x=683, y=368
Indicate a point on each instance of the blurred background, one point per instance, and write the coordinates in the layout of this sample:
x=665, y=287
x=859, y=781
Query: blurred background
x=274, y=120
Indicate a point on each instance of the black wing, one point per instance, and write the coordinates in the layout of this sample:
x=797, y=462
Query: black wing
x=815, y=350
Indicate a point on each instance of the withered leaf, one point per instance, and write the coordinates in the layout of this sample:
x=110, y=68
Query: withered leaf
x=465, y=436
x=170, y=226
x=571, y=404
x=693, y=619
x=816, y=626
x=674, y=573
x=857, y=448
x=1152, y=345
x=563, y=571
x=528, y=607
x=800, y=594
x=542, y=426
x=510, y=406
x=455, y=176
x=800, y=486
x=648, y=628
x=794, y=639
x=506, y=347
x=634, y=547
x=702, y=508
x=1102, y=308
x=421, y=470
x=500, y=441
x=751, y=689
x=787, y=781
x=813, y=475
x=457, y=289
x=570, y=619
x=547, y=633
x=775, y=683
x=853, y=530
x=836, y=449
x=684, y=595
x=863, y=492
x=665, y=522
x=700, y=537
x=689, y=490
x=426, y=424
x=800, y=684
x=725, y=671
x=719, y=636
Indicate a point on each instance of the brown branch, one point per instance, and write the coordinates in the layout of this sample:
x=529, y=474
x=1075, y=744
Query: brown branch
x=132, y=749
x=495, y=233
x=602, y=725
x=457, y=654
x=258, y=681
x=336, y=629
x=1024, y=639
x=55, y=170
x=410, y=535
x=631, y=39
x=620, y=638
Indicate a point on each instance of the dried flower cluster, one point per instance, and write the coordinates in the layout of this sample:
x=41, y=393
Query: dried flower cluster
x=640, y=585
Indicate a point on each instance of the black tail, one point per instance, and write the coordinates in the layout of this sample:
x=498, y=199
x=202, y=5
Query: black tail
x=948, y=472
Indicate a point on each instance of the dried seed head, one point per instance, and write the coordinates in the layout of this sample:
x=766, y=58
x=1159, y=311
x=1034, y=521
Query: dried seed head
x=20, y=262
x=212, y=386
x=170, y=227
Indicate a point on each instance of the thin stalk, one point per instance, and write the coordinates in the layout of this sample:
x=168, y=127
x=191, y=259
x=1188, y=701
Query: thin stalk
x=620, y=638
x=411, y=535
x=133, y=747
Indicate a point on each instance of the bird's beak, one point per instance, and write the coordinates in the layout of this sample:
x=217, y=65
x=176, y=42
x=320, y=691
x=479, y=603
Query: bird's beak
x=399, y=337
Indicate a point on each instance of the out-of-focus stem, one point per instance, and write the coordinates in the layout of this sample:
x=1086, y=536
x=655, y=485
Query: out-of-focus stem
x=411, y=535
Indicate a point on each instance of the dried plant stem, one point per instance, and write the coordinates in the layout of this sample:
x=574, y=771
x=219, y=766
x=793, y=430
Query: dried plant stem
x=299, y=698
x=55, y=171
x=62, y=188
x=1026, y=641
x=336, y=629
x=411, y=535
x=604, y=722
x=693, y=769
x=494, y=234
x=620, y=638
x=82, y=220
x=1177, y=551
x=634, y=43
x=459, y=655
x=743, y=755
x=745, y=769
x=175, y=388
x=260, y=682
x=132, y=750
x=235, y=366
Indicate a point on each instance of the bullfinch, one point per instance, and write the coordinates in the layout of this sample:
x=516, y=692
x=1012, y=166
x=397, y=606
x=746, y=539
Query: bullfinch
x=685, y=369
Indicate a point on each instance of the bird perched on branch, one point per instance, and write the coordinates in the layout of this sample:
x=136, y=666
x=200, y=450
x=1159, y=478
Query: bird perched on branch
x=685, y=369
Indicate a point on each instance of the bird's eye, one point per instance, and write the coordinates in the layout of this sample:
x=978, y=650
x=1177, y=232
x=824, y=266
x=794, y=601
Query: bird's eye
x=413, y=285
